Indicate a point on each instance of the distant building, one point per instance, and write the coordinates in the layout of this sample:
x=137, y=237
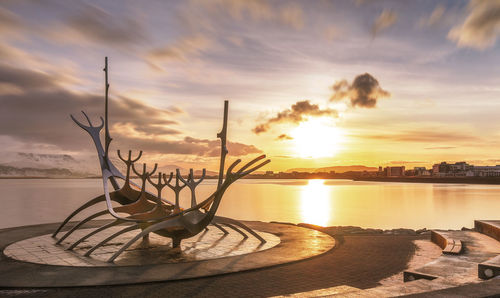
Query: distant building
x=421, y=171
x=457, y=169
x=463, y=169
x=394, y=171
x=486, y=171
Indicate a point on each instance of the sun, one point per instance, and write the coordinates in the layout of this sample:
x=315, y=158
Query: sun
x=317, y=137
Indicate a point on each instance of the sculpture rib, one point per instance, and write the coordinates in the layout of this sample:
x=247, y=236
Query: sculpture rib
x=127, y=229
x=225, y=220
x=220, y=228
x=245, y=236
x=159, y=226
x=82, y=222
x=100, y=229
x=90, y=203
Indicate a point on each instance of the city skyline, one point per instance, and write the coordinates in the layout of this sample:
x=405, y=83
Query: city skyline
x=321, y=84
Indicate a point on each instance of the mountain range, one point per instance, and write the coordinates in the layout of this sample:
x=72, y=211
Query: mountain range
x=337, y=169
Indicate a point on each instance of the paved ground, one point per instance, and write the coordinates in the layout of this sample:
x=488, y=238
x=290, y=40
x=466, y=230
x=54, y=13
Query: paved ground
x=296, y=243
x=209, y=244
x=358, y=261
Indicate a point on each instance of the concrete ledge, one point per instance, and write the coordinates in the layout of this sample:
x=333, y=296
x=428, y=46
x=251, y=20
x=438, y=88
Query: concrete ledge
x=489, y=269
x=488, y=227
x=448, y=245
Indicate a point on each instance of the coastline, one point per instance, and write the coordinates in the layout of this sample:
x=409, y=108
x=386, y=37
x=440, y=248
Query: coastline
x=444, y=180
x=447, y=180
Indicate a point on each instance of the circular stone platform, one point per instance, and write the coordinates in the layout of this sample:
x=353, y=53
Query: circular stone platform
x=30, y=257
x=210, y=244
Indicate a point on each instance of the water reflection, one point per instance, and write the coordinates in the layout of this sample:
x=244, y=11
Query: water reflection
x=315, y=203
x=321, y=202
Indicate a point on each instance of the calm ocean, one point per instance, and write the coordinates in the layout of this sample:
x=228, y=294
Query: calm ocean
x=322, y=202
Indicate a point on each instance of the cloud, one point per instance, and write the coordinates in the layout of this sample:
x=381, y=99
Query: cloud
x=24, y=78
x=297, y=113
x=435, y=18
x=481, y=26
x=292, y=16
x=238, y=9
x=94, y=24
x=431, y=135
x=180, y=50
x=284, y=137
x=440, y=148
x=332, y=32
x=259, y=11
x=212, y=147
x=78, y=23
x=363, y=92
x=9, y=22
x=399, y=162
x=39, y=116
x=385, y=20
x=186, y=146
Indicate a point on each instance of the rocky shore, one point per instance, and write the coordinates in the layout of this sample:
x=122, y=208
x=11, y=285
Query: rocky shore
x=354, y=230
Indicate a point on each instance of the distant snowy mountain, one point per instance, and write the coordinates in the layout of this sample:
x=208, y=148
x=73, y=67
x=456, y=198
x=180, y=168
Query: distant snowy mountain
x=8, y=171
x=21, y=164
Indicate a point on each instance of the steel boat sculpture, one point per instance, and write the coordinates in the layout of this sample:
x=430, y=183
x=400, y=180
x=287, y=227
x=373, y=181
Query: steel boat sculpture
x=151, y=213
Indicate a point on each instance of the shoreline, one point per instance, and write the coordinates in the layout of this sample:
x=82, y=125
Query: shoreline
x=359, y=231
x=446, y=180
x=443, y=180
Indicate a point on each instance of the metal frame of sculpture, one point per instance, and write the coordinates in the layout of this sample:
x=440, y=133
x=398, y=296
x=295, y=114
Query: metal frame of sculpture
x=149, y=212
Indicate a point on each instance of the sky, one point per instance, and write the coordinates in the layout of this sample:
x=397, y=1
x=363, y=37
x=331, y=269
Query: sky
x=309, y=83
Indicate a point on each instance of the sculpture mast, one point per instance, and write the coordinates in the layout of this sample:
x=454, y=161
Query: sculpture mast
x=223, y=149
x=107, y=137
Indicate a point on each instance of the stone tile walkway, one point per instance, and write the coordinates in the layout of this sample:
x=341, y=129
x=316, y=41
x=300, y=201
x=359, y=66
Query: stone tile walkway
x=207, y=245
x=359, y=261
x=295, y=244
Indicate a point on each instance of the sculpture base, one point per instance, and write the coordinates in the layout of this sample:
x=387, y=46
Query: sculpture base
x=31, y=259
x=209, y=244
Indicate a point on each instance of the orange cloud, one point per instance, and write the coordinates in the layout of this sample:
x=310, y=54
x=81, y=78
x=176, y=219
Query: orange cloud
x=295, y=114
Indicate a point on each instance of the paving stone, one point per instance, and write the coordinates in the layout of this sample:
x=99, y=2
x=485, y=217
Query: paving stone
x=86, y=271
x=42, y=249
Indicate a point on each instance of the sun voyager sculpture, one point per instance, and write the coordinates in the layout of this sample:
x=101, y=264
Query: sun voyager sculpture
x=153, y=213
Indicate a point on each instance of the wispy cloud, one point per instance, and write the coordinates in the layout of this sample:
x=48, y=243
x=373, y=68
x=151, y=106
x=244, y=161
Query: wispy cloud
x=284, y=137
x=10, y=23
x=402, y=162
x=292, y=15
x=295, y=114
x=481, y=26
x=385, y=20
x=440, y=148
x=38, y=114
x=182, y=49
x=94, y=23
x=426, y=136
x=435, y=17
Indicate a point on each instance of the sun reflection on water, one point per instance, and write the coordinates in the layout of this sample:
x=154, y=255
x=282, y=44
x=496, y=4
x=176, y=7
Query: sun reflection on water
x=315, y=203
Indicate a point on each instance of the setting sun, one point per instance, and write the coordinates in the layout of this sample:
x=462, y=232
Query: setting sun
x=317, y=137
